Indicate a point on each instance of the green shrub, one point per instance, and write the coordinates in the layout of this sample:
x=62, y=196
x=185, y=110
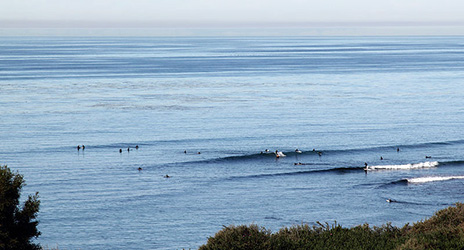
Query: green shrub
x=18, y=225
x=240, y=237
x=335, y=237
x=444, y=230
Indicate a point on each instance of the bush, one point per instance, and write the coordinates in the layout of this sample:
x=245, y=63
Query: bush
x=18, y=225
x=444, y=230
x=239, y=238
x=335, y=237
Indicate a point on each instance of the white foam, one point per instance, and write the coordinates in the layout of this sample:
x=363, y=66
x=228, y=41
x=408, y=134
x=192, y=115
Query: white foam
x=428, y=164
x=433, y=178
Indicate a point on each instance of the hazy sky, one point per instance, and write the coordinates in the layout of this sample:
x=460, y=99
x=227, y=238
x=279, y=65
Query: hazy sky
x=438, y=15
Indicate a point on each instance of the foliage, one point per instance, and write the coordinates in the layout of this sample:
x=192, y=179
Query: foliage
x=444, y=230
x=335, y=237
x=18, y=225
x=240, y=238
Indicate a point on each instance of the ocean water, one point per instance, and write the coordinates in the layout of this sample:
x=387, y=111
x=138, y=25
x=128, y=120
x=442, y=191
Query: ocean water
x=342, y=101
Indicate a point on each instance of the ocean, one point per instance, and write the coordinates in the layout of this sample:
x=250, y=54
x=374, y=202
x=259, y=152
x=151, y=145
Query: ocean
x=210, y=112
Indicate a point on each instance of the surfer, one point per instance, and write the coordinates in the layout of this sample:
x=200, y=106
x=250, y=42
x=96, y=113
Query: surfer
x=120, y=150
x=279, y=154
x=428, y=157
x=298, y=151
x=365, y=167
x=381, y=158
x=167, y=176
x=140, y=169
x=397, y=149
x=137, y=147
x=83, y=147
x=390, y=200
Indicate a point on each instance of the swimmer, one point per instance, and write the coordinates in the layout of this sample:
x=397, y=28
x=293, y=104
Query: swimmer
x=140, y=169
x=137, y=147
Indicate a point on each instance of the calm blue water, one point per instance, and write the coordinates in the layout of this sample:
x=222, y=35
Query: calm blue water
x=352, y=99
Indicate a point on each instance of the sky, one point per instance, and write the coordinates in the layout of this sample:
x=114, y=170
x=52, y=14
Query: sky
x=232, y=17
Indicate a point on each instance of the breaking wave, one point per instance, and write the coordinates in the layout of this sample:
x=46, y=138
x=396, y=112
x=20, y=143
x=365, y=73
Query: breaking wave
x=433, y=178
x=428, y=164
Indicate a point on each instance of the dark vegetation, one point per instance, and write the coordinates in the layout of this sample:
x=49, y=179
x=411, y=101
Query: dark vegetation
x=444, y=230
x=18, y=224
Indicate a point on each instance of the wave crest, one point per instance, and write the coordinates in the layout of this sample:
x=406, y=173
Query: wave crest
x=433, y=178
x=428, y=164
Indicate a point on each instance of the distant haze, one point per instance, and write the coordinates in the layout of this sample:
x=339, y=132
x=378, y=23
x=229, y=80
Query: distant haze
x=190, y=17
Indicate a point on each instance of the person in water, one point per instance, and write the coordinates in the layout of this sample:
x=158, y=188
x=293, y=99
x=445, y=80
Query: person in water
x=78, y=147
x=120, y=150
